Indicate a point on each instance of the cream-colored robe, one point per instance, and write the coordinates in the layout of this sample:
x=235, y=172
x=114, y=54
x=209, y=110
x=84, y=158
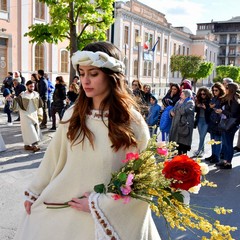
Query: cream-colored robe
x=29, y=117
x=67, y=172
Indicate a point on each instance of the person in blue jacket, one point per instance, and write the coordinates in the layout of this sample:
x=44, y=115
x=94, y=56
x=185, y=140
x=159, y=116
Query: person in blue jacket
x=166, y=122
x=152, y=118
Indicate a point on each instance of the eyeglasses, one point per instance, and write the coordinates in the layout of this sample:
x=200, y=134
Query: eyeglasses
x=203, y=94
x=134, y=85
x=215, y=90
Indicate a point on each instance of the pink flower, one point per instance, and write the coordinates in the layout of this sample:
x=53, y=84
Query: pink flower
x=162, y=151
x=125, y=190
x=126, y=199
x=130, y=156
x=129, y=179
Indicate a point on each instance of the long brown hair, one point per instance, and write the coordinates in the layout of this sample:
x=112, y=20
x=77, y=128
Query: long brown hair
x=233, y=93
x=118, y=102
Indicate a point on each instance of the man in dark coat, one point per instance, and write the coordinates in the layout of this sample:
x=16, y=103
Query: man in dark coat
x=42, y=88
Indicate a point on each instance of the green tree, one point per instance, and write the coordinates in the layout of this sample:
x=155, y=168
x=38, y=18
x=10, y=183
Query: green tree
x=94, y=17
x=228, y=71
x=204, y=70
x=186, y=65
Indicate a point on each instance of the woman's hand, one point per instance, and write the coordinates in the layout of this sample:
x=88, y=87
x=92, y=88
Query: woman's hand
x=80, y=204
x=28, y=206
x=219, y=111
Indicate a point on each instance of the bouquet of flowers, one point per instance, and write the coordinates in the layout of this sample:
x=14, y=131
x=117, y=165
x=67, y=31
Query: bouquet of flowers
x=160, y=177
x=164, y=179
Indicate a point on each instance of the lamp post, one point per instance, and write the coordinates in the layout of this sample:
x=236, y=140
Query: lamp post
x=138, y=41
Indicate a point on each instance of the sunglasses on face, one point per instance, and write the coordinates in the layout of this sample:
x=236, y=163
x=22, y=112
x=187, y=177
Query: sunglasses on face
x=203, y=94
x=134, y=85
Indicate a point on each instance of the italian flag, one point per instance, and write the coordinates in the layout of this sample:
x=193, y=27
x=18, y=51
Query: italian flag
x=146, y=44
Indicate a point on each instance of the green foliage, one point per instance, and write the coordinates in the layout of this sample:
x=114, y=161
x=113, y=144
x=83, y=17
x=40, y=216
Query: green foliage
x=228, y=71
x=186, y=65
x=205, y=69
x=95, y=17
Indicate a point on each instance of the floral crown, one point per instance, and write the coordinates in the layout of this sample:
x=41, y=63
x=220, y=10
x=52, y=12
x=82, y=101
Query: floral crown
x=97, y=59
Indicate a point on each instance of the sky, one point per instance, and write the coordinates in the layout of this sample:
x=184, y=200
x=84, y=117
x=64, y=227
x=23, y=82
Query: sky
x=190, y=12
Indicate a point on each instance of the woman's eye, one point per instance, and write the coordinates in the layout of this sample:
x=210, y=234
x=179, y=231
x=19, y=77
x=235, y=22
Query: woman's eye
x=94, y=74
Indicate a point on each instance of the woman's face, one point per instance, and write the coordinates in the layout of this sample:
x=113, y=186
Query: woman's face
x=183, y=96
x=174, y=90
x=216, y=91
x=203, y=94
x=134, y=85
x=95, y=84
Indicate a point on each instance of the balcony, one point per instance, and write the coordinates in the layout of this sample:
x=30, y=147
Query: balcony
x=222, y=54
x=232, y=54
x=231, y=42
x=223, y=42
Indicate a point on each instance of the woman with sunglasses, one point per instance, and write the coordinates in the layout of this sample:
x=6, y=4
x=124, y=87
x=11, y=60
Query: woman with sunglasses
x=202, y=118
x=218, y=92
x=230, y=108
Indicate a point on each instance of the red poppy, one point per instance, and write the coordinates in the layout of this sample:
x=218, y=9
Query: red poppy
x=184, y=171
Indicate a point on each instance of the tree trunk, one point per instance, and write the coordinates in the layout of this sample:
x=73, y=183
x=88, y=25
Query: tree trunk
x=73, y=40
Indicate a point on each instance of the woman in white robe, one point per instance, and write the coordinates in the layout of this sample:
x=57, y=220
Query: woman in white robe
x=90, y=144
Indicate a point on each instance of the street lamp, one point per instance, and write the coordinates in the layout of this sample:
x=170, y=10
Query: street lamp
x=138, y=41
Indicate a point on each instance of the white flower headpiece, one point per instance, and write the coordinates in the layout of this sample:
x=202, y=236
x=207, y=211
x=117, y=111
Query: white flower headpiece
x=97, y=59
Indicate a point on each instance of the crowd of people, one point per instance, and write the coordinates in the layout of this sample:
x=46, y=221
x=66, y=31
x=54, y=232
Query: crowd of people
x=107, y=120
x=181, y=110
x=36, y=101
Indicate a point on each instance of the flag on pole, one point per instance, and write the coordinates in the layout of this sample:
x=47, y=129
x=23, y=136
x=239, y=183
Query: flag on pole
x=154, y=47
x=146, y=44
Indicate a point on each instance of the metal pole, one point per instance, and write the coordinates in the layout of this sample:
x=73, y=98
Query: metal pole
x=139, y=57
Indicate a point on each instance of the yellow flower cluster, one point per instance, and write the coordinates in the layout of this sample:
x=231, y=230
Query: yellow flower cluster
x=151, y=185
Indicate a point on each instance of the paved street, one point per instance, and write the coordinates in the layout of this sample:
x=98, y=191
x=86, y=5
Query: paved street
x=18, y=166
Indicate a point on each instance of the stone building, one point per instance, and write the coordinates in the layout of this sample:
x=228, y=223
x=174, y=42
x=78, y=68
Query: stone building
x=227, y=35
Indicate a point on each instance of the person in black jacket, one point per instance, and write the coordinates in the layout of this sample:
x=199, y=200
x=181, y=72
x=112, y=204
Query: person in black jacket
x=42, y=88
x=202, y=118
x=230, y=108
x=58, y=104
x=172, y=96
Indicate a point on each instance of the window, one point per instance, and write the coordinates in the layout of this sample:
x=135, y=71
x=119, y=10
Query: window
x=149, y=69
x=39, y=57
x=145, y=68
x=64, y=61
x=165, y=45
x=174, y=48
x=164, y=70
x=159, y=44
x=3, y=5
x=183, y=50
x=135, y=68
x=150, y=41
x=126, y=30
x=187, y=51
x=179, y=50
x=39, y=10
x=157, y=69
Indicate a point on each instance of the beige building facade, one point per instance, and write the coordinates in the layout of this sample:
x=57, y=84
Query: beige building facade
x=16, y=53
x=135, y=24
